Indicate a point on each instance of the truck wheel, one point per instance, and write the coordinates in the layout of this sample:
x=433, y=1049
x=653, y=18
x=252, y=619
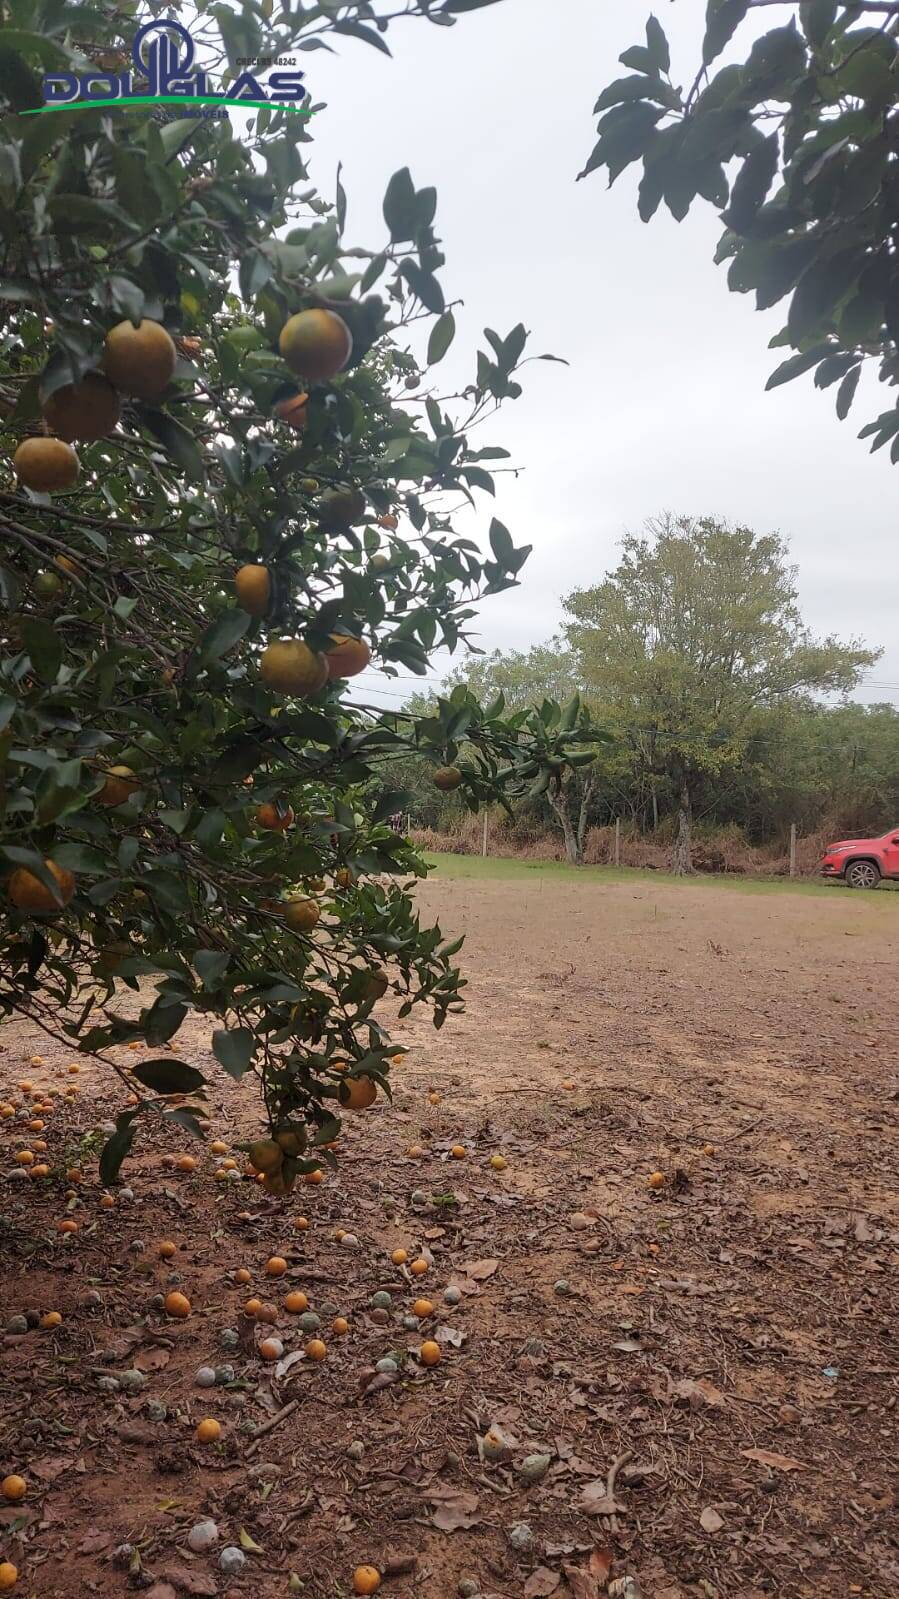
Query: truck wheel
x=863, y=874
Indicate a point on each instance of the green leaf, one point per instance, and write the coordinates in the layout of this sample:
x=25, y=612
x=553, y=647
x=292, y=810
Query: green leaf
x=224, y=633
x=399, y=206
x=817, y=18
x=178, y=442
x=657, y=45
x=356, y=30
x=795, y=366
x=442, y=334
x=211, y=966
x=424, y=285
x=636, y=88
x=846, y=392
x=167, y=1076
x=234, y=1049
x=117, y=1146
x=624, y=138
x=722, y=19
x=752, y=184
x=44, y=646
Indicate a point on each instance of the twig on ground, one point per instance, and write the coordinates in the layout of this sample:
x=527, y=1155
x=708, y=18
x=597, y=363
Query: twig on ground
x=274, y=1421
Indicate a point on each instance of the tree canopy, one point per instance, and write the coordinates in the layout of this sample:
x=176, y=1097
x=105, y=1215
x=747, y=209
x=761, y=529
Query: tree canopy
x=795, y=146
x=231, y=488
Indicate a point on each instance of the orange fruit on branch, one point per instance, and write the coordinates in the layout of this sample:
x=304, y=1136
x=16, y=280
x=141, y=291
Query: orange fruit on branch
x=316, y=344
x=253, y=584
x=86, y=410
x=357, y=1093
x=289, y=666
x=300, y=913
x=340, y=507
x=118, y=787
x=46, y=465
x=447, y=778
x=28, y=893
x=346, y=656
x=139, y=360
x=294, y=410
x=272, y=819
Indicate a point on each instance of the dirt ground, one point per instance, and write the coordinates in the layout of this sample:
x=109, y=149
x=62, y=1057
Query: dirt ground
x=697, y=1384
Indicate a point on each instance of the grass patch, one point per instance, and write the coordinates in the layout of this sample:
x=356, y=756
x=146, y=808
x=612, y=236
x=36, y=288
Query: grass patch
x=503, y=868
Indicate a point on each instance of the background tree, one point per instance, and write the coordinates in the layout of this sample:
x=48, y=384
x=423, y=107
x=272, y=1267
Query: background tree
x=238, y=518
x=795, y=145
x=691, y=641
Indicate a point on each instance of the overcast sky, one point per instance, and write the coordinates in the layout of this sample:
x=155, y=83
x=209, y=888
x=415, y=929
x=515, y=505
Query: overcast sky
x=663, y=406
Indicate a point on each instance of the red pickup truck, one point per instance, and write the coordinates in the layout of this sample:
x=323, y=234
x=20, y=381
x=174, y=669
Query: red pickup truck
x=862, y=862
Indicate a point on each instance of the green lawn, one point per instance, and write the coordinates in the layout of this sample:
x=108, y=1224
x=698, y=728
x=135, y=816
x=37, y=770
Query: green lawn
x=500, y=868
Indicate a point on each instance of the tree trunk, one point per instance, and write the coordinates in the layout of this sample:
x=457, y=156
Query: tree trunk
x=584, y=817
x=682, y=864
x=655, y=809
x=560, y=804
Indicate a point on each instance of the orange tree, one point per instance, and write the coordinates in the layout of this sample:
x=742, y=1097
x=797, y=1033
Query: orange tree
x=226, y=487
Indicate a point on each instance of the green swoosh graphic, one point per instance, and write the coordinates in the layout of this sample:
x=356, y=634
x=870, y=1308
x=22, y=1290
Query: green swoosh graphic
x=169, y=99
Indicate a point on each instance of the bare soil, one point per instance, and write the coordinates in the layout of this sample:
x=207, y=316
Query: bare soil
x=724, y=1349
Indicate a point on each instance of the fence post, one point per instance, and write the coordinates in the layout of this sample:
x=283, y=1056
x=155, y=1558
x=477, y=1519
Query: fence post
x=484, y=835
x=792, y=849
x=617, y=840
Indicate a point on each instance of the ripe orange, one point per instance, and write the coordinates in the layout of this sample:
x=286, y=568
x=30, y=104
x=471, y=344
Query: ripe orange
x=289, y=666
x=220, y=1175
x=343, y=877
x=276, y=1266
x=399, y=1257
x=67, y=1226
x=177, y=1305
x=186, y=1163
x=230, y=1164
x=300, y=913
x=74, y=1173
x=120, y=783
x=294, y=410
x=568, y=1087
x=86, y=410
x=46, y=465
x=167, y=1249
x=301, y=1223
x=106, y=1202
x=708, y=1149
x=51, y=1318
x=218, y=1148
x=346, y=656
x=28, y=893
x=74, y=1068
x=366, y=1579
x=13, y=1488
x=656, y=1180
x=433, y=1099
x=429, y=1353
x=242, y=1275
x=267, y=1313
x=253, y=584
x=24, y=1157
x=389, y=521
x=139, y=360
x=498, y=1162
x=26, y=1086
x=414, y=1151
x=358, y=1093
x=271, y=1349
x=296, y=1302
x=9, y=1575
x=208, y=1431
x=316, y=344
x=422, y=1308
x=252, y=1307
x=316, y=1176
x=36, y=1126
x=419, y=1267
x=272, y=820
x=447, y=778
x=40, y=1170
x=340, y=1326
x=458, y=1152
x=315, y=1349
